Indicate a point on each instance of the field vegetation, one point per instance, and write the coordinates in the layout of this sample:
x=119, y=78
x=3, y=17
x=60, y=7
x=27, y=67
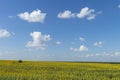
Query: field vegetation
x=30, y=70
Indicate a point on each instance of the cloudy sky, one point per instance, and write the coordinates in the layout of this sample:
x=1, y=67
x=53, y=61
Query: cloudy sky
x=60, y=30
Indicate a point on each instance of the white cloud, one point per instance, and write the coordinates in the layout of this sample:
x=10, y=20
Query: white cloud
x=85, y=12
x=92, y=16
x=58, y=43
x=83, y=48
x=119, y=6
x=73, y=49
x=98, y=44
x=100, y=55
x=6, y=52
x=35, y=16
x=107, y=54
x=39, y=40
x=82, y=39
x=66, y=14
x=117, y=53
x=88, y=13
x=4, y=33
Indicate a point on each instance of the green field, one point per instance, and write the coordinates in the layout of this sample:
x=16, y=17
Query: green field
x=29, y=70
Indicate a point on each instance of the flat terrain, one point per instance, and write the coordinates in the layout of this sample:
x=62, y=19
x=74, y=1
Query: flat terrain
x=29, y=70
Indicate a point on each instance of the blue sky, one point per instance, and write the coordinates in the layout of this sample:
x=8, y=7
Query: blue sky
x=60, y=30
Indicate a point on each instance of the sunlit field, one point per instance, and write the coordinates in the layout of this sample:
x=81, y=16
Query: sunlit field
x=29, y=70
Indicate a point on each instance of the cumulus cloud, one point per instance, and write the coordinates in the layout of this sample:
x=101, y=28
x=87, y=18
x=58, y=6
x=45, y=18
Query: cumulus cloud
x=85, y=12
x=35, y=16
x=82, y=39
x=82, y=48
x=88, y=13
x=58, y=43
x=4, y=33
x=39, y=40
x=66, y=14
x=98, y=44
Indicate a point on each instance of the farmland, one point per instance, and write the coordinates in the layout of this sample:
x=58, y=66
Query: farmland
x=31, y=70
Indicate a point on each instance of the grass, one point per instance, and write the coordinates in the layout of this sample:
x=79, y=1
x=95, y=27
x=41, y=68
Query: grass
x=29, y=70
